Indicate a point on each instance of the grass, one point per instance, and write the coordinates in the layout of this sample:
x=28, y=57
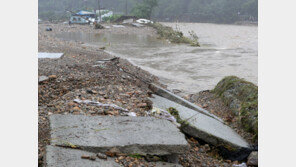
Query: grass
x=112, y=18
x=232, y=88
x=138, y=156
x=173, y=36
x=175, y=113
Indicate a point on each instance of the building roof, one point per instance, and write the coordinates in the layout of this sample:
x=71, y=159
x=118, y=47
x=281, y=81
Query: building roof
x=85, y=13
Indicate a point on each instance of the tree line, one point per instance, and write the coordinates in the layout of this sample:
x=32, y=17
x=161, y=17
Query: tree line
x=216, y=11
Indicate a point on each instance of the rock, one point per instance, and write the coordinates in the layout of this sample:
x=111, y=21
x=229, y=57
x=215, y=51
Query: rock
x=42, y=79
x=51, y=77
x=85, y=156
x=101, y=156
x=142, y=105
x=202, y=126
x=240, y=165
x=141, y=135
x=253, y=159
x=242, y=98
x=61, y=157
x=76, y=109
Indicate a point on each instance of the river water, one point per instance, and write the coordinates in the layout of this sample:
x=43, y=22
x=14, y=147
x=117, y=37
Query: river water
x=225, y=50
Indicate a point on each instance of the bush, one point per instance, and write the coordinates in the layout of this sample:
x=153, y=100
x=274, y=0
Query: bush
x=173, y=36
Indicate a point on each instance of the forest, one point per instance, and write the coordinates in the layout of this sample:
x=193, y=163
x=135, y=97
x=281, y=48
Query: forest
x=211, y=11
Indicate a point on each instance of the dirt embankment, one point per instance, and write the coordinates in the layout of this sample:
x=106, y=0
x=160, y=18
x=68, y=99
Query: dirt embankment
x=79, y=74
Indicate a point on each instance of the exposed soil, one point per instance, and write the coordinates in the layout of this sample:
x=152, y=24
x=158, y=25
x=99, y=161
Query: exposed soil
x=79, y=75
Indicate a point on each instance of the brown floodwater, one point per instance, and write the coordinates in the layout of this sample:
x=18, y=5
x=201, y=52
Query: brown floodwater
x=225, y=50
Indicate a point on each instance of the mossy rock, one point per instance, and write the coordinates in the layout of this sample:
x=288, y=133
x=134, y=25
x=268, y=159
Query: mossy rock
x=241, y=97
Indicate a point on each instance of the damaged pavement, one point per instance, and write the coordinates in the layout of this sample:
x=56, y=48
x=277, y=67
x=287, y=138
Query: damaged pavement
x=92, y=115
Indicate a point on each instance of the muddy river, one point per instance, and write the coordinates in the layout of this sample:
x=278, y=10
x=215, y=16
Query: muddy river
x=225, y=50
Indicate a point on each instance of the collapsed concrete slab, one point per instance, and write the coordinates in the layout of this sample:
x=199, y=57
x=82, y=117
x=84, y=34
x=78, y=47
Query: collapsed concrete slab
x=63, y=157
x=43, y=55
x=164, y=93
x=141, y=135
x=202, y=126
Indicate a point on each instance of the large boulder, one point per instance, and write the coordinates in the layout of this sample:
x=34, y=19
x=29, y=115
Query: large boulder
x=242, y=98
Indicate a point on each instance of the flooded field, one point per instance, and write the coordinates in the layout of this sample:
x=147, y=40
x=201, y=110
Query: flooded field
x=225, y=50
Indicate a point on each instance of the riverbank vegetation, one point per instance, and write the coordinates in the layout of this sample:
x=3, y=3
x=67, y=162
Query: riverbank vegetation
x=215, y=11
x=175, y=36
x=242, y=98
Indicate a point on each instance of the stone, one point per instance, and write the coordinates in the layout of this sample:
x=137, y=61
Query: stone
x=101, y=156
x=43, y=55
x=63, y=157
x=52, y=77
x=203, y=126
x=253, y=159
x=141, y=135
x=42, y=79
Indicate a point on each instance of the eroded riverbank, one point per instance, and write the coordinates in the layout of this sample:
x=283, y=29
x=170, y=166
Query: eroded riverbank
x=79, y=75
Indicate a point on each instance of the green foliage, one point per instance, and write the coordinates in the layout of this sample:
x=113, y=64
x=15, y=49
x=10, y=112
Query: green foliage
x=138, y=156
x=232, y=88
x=173, y=36
x=218, y=11
x=112, y=18
x=144, y=9
x=175, y=113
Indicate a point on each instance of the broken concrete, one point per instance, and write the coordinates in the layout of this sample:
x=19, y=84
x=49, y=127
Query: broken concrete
x=164, y=93
x=62, y=157
x=43, y=55
x=141, y=135
x=202, y=126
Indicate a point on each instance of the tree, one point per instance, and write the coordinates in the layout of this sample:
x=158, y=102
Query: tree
x=145, y=9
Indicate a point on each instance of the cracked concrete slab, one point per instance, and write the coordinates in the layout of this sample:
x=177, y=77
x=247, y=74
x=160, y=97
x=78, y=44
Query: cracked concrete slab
x=63, y=157
x=142, y=135
x=177, y=99
x=67, y=157
x=202, y=126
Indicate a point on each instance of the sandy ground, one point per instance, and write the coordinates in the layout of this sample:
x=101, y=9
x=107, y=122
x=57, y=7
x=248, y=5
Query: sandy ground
x=78, y=75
